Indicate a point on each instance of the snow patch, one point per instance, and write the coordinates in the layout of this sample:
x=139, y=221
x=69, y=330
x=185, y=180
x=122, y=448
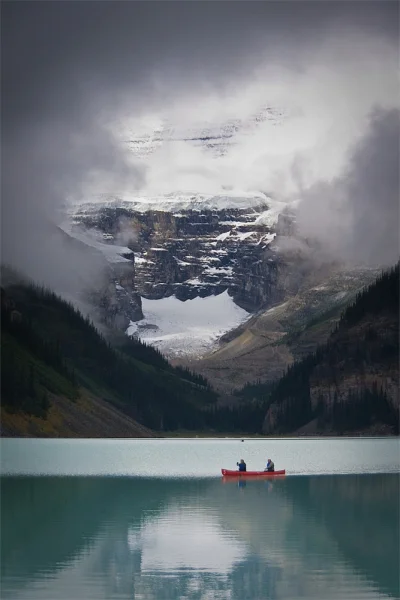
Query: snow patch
x=223, y=236
x=139, y=260
x=270, y=216
x=218, y=270
x=267, y=238
x=235, y=223
x=182, y=263
x=243, y=236
x=277, y=307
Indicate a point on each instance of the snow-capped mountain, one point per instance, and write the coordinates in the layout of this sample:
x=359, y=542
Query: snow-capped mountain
x=193, y=251
x=190, y=251
x=202, y=263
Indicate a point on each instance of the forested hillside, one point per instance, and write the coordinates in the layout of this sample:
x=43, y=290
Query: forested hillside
x=54, y=359
x=349, y=384
x=49, y=350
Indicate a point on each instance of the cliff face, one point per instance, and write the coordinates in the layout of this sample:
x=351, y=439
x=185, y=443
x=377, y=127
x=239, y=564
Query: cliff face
x=194, y=253
x=117, y=301
x=198, y=252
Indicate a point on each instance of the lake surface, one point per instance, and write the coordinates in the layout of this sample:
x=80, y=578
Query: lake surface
x=197, y=458
x=72, y=529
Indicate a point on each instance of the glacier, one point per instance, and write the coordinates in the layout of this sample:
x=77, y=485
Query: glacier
x=189, y=328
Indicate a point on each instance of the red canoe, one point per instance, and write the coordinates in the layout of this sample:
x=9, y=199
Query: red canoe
x=227, y=473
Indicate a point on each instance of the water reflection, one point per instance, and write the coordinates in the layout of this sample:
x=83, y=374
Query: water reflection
x=304, y=537
x=211, y=549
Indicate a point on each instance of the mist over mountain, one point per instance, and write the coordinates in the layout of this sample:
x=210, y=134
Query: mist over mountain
x=65, y=96
x=356, y=214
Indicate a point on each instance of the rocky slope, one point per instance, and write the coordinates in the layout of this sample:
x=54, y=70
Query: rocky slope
x=261, y=348
x=87, y=417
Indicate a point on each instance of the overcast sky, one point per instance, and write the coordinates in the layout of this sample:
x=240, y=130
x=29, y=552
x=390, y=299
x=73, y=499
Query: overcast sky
x=74, y=73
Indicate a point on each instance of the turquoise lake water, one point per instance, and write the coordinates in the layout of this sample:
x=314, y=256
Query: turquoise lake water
x=102, y=519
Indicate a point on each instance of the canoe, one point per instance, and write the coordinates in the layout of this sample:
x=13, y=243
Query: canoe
x=228, y=473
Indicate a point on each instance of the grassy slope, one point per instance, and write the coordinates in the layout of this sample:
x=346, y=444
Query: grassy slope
x=88, y=417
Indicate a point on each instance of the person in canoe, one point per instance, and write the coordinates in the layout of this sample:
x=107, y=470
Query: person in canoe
x=241, y=465
x=270, y=466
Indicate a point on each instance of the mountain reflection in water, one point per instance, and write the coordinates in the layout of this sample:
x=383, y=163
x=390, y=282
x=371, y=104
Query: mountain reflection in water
x=304, y=537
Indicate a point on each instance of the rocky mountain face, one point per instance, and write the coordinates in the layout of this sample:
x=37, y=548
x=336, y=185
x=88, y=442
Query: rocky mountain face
x=196, y=252
x=199, y=250
x=118, y=301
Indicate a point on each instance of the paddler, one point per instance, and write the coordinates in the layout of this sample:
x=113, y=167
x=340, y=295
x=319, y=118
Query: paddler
x=241, y=465
x=270, y=466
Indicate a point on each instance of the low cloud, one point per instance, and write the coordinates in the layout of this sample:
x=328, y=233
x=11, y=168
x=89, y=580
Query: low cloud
x=71, y=92
x=356, y=216
x=42, y=168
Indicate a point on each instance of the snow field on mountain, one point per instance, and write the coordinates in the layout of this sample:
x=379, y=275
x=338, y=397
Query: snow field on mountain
x=181, y=201
x=188, y=328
